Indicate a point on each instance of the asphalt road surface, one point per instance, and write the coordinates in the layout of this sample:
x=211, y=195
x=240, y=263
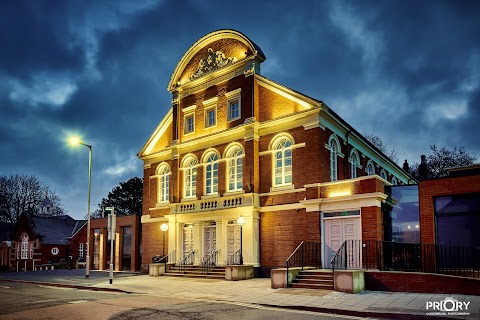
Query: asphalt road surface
x=33, y=301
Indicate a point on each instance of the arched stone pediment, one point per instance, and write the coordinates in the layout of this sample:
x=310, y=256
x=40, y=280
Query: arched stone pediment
x=213, y=52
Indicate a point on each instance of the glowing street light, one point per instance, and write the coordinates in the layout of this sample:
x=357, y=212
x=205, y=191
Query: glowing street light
x=164, y=228
x=75, y=141
x=241, y=221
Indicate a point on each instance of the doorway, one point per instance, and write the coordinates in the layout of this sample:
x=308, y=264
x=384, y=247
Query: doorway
x=337, y=230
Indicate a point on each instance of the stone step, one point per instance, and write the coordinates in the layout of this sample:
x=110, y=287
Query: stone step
x=192, y=275
x=310, y=276
x=312, y=286
x=313, y=281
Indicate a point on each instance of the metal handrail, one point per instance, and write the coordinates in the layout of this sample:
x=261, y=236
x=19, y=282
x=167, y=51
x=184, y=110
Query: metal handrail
x=233, y=259
x=169, y=257
x=187, y=259
x=210, y=260
x=306, y=254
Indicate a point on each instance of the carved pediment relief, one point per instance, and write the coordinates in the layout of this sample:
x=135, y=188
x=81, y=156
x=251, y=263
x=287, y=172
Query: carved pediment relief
x=212, y=62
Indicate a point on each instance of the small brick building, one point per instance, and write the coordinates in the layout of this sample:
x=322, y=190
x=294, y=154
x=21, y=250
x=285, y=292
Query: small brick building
x=127, y=244
x=235, y=143
x=450, y=208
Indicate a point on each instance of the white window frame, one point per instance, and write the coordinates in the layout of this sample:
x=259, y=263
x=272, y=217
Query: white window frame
x=367, y=168
x=55, y=251
x=394, y=181
x=211, y=166
x=234, y=96
x=282, y=146
x=212, y=110
x=80, y=250
x=234, y=159
x=24, y=248
x=187, y=114
x=163, y=187
x=333, y=159
x=186, y=125
x=383, y=174
x=354, y=163
x=210, y=105
x=189, y=177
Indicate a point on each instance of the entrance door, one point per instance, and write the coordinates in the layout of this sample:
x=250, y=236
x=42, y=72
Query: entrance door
x=187, y=239
x=233, y=242
x=210, y=239
x=336, y=232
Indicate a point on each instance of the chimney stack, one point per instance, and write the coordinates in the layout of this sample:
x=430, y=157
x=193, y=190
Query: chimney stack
x=406, y=167
x=423, y=167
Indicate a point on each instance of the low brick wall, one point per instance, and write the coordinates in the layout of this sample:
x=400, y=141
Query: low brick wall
x=420, y=282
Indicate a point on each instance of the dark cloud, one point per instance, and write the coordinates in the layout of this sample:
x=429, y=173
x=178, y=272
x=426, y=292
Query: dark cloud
x=406, y=71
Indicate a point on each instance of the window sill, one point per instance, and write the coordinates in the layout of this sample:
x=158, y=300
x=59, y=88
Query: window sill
x=282, y=188
x=233, y=193
x=188, y=199
x=209, y=196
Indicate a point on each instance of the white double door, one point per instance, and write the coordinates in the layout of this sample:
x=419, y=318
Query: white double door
x=209, y=239
x=337, y=230
x=233, y=240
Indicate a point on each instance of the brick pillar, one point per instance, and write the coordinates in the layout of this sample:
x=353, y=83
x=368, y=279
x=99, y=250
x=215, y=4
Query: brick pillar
x=116, y=254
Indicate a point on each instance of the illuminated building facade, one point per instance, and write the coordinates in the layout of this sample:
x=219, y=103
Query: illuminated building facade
x=235, y=143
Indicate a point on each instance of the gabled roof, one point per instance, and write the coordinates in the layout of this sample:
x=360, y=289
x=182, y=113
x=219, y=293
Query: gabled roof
x=55, y=230
x=157, y=134
x=207, y=40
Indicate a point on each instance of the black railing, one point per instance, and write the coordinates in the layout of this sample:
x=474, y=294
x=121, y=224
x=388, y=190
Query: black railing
x=210, y=261
x=172, y=256
x=307, y=254
x=234, y=259
x=410, y=257
x=187, y=260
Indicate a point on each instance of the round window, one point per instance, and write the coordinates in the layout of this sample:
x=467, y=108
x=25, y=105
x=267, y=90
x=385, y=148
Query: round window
x=55, y=251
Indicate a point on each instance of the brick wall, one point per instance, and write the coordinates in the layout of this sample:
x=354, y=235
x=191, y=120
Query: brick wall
x=420, y=282
x=372, y=223
x=282, y=231
x=428, y=189
x=152, y=244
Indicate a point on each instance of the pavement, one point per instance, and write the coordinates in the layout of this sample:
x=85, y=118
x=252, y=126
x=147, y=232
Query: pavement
x=257, y=292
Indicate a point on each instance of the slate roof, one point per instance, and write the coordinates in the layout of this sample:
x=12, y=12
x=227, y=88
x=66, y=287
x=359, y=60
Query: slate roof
x=56, y=229
x=6, y=230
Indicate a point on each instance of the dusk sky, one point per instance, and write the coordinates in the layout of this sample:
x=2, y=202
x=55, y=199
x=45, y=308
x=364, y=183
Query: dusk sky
x=407, y=71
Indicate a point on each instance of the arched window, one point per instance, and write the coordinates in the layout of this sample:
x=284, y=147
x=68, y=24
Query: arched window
x=370, y=168
x=235, y=169
x=211, y=174
x=394, y=181
x=282, y=157
x=383, y=174
x=333, y=159
x=163, y=174
x=354, y=161
x=190, y=177
x=25, y=247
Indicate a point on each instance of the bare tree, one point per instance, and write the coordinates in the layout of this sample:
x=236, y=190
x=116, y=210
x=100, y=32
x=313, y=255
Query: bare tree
x=22, y=194
x=442, y=158
x=382, y=146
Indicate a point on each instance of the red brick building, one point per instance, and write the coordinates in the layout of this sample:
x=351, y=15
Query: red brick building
x=450, y=208
x=44, y=240
x=235, y=143
x=127, y=244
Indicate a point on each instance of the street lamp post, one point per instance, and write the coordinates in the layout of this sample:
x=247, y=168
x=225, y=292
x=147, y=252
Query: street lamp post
x=77, y=141
x=241, y=221
x=164, y=228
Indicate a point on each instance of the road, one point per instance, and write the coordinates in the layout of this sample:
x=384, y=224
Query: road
x=33, y=301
